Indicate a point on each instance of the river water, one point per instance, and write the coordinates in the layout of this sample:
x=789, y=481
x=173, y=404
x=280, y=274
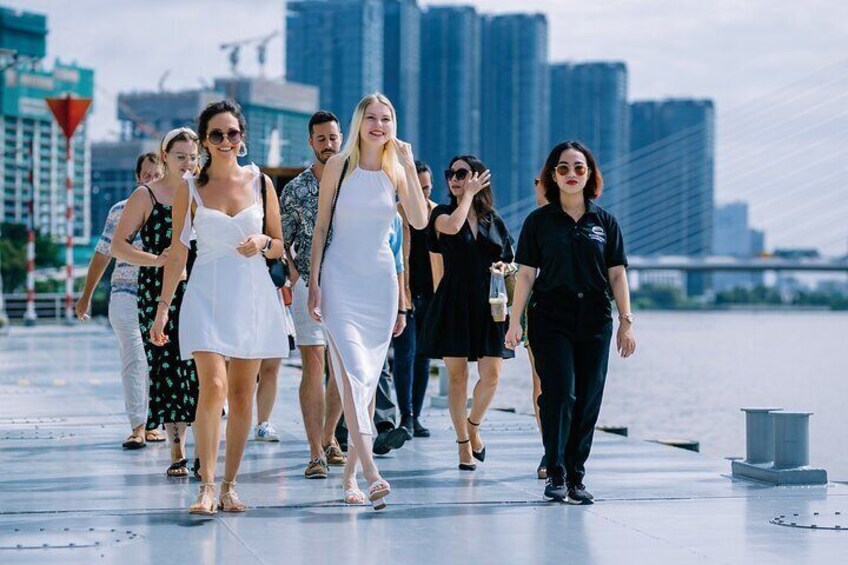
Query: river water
x=692, y=373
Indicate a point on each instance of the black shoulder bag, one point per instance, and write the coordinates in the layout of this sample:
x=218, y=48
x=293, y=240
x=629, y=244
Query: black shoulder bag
x=332, y=214
x=278, y=270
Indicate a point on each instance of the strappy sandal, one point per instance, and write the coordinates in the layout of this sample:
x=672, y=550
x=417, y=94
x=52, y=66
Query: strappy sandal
x=134, y=442
x=465, y=466
x=195, y=469
x=178, y=469
x=377, y=493
x=229, y=500
x=205, y=503
x=354, y=496
x=478, y=455
x=154, y=436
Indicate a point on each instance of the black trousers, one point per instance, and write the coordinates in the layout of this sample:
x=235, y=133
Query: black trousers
x=570, y=337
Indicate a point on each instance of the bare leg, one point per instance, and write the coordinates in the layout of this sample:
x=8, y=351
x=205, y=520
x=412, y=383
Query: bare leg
x=212, y=374
x=312, y=396
x=537, y=387
x=242, y=382
x=457, y=399
x=266, y=390
x=484, y=392
x=332, y=409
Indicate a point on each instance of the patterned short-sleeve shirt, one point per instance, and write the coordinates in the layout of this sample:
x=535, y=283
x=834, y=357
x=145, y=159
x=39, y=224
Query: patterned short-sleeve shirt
x=299, y=211
x=125, y=276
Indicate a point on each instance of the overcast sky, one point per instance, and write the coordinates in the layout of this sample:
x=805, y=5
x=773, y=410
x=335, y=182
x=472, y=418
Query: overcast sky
x=777, y=71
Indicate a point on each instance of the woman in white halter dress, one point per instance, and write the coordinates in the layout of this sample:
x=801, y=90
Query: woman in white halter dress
x=231, y=309
x=354, y=290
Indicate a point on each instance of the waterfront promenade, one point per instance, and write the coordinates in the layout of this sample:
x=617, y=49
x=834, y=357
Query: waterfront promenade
x=69, y=494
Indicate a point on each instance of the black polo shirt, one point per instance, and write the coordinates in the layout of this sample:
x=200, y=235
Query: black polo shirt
x=571, y=256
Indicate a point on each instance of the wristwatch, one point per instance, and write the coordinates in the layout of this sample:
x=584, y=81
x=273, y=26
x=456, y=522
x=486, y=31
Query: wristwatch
x=267, y=247
x=626, y=317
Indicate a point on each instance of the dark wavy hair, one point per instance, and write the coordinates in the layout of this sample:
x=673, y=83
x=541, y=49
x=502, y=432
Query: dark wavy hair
x=210, y=111
x=484, y=200
x=152, y=157
x=594, y=184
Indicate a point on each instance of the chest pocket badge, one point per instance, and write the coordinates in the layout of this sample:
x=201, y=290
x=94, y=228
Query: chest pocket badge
x=598, y=234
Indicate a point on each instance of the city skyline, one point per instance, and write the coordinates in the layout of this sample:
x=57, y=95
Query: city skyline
x=657, y=70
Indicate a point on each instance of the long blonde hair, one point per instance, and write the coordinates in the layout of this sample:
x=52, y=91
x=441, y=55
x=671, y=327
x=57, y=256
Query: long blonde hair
x=391, y=164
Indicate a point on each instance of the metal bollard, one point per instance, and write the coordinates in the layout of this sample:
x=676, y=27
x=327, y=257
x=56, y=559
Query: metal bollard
x=759, y=435
x=791, y=439
x=444, y=381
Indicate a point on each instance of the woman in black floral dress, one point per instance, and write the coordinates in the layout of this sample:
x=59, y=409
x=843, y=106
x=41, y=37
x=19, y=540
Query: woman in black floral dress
x=173, y=382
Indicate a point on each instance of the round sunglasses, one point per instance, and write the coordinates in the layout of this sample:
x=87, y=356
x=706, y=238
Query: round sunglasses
x=216, y=136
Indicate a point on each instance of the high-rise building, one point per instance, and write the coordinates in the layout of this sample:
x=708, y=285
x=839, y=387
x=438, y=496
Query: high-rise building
x=337, y=46
x=113, y=174
x=733, y=236
x=31, y=140
x=402, y=65
x=589, y=104
x=450, y=86
x=514, y=94
x=669, y=205
x=277, y=115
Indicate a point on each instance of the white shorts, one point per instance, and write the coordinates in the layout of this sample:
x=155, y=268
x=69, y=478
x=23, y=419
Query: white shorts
x=307, y=331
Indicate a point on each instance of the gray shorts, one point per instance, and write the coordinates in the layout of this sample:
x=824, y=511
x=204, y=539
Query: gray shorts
x=307, y=330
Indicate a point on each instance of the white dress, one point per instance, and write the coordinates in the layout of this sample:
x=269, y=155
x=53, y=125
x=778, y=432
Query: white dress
x=359, y=290
x=230, y=305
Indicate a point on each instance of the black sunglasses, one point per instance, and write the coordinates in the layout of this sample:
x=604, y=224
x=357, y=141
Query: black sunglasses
x=460, y=174
x=216, y=136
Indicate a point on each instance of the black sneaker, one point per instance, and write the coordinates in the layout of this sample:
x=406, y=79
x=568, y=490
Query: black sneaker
x=388, y=440
x=418, y=430
x=577, y=494
x=555, y=488
x=407, y=426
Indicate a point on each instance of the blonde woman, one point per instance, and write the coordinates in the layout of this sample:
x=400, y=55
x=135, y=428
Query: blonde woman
x=353, y=289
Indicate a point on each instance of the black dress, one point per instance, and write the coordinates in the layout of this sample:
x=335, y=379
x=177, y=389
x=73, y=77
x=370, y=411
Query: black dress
x=459, y=320
x=173, y=382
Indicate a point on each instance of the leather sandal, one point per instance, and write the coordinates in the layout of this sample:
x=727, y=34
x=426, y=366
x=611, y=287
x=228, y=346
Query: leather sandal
x=229, y=500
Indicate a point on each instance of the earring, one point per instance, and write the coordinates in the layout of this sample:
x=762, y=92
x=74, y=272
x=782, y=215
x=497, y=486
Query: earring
x=203, y=158
x=242, y=150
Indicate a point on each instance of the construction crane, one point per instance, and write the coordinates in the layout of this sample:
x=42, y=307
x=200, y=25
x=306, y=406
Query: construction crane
x=234, y=48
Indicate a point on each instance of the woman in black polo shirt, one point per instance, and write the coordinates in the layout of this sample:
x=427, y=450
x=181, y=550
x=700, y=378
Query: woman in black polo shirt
x=579, y=252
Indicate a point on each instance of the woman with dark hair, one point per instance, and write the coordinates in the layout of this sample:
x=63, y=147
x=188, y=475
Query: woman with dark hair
x=231, y=307
x=459, y=327
x=578, y=250
x=173, y=383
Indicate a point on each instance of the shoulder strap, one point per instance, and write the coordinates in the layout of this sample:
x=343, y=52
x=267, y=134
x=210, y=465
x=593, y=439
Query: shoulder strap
x=332, y=214
x=152, y=196
x=264, y=200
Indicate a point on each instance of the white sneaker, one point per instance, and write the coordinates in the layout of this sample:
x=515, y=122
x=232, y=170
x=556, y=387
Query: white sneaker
x=266, y=432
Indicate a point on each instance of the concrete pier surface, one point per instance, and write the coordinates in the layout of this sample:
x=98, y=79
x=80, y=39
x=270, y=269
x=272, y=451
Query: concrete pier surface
x=70, y=494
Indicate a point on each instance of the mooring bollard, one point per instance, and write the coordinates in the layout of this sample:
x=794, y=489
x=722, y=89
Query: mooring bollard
x=759, y=434
x=791, y=439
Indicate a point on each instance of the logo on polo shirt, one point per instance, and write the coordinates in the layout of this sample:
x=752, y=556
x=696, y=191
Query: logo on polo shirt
x=598, y=234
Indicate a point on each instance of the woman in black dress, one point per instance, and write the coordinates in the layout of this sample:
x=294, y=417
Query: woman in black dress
x=173, y=382
x=473, y=241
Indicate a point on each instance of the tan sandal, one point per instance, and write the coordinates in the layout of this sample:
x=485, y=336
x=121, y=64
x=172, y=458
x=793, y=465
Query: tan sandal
x=205, y=503
x=229, y=500
x=154, y=436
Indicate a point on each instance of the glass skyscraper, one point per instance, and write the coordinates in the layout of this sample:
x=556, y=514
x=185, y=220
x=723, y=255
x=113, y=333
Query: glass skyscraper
x=402, y=65
x=336, y=45
x=589, y=104
x=450, y=87
x=670, y=182
x=514, y=95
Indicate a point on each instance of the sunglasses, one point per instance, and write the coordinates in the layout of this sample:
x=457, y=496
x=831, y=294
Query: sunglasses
x=460, y=174
x=216, y=136
x=579, y=170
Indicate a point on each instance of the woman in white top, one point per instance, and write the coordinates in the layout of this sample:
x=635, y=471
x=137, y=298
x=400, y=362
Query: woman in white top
x=355, y=291
x=231, y=307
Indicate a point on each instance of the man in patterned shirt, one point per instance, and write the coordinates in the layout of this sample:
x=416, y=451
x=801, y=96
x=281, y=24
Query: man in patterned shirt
x=123, y=312
x=299, y=209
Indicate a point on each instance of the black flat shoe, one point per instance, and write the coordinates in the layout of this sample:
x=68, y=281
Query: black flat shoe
x=478, y=455
x=418, y=430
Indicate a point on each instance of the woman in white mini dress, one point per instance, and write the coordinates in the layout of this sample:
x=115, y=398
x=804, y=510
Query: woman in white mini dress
x=355, y=291
x=231, y=308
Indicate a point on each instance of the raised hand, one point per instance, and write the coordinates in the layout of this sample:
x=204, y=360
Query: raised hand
x=477, y=182
x=404, y=152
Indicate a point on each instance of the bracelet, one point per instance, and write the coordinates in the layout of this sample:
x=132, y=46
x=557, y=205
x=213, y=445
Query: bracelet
x=167, y=304
x=401, y=312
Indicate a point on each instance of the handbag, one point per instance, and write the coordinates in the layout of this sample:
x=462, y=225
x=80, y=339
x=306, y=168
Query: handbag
x=332, y=214
x=277, y=269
